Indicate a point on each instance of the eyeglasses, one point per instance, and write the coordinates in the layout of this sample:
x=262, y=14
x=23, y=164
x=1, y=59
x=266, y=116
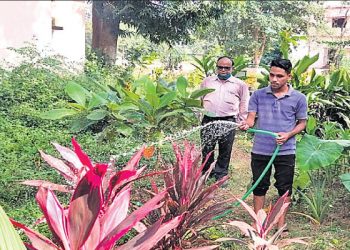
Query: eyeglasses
x=223, y=67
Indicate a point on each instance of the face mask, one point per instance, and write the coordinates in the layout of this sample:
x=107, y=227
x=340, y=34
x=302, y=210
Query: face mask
x=224, y=76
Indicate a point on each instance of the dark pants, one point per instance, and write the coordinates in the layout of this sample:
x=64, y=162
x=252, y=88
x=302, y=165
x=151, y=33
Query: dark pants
x=284, y=173
x=224, y=135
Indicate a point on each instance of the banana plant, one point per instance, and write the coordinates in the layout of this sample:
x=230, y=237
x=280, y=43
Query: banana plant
x=90, y=107
x=287, y=40
x=157, y=105
x=206, y=65
x=240, y=63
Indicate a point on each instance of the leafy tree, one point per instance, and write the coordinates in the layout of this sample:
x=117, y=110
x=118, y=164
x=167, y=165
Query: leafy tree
x=160, y=21
x=252, y=27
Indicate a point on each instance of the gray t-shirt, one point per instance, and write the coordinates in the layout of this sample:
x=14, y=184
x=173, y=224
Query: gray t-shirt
x=276, y=115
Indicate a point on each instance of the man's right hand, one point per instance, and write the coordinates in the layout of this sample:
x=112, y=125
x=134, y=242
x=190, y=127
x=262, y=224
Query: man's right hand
x=243, y=126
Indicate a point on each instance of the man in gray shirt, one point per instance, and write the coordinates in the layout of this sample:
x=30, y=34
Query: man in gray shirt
x=280, y=109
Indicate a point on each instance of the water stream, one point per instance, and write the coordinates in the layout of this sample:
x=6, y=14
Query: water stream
x=212, y=129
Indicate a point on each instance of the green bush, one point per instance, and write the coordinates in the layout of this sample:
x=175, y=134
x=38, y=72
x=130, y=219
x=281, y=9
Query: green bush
x=37, y=84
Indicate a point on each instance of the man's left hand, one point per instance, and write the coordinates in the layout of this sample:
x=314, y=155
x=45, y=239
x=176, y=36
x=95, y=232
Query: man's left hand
x=282, y=137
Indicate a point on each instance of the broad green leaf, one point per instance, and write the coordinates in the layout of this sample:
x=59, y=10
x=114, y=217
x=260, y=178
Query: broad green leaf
x=56, y=114
x=97, y=114
x=76, y=92
x=193, y=103
x=131, y=95
x=81, y=124
x=344, y=143
x=96, y=100
x=345, y=178
x=9, y=238
x=150, y=87
x=166, y=99
x=76, y=106
x=302, y=180
x=181, y=86
x=312, y=153
x=311, y=125
x=124, y=129
x=200, y=92
x=145, y=107
x=172, y=113
x=140, y=85
x=162, y=87
x=127, y=106
x=326, y=102
x=118, y=116
x=153, y=100
x=305, y=63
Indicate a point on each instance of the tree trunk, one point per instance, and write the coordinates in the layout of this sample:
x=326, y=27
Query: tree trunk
x=105, y=29
x=261, y=38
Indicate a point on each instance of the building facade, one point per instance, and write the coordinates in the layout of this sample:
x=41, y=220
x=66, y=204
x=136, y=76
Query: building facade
x=53, y=27
x=333, y=38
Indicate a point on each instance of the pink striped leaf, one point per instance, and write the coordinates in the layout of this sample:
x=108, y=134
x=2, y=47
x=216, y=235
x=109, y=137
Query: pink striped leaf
x=150, y=237
x=47, y=184
x=116, y=211
x=83, y=157
x=70, y=156
x=276, y=211
x=94, y=236
x=121, y=178
x=205, y=248
x=130, y=221
x=38, y=240
x=134, y=161
x=60, y=166
x=85, y=206
x=54, y=214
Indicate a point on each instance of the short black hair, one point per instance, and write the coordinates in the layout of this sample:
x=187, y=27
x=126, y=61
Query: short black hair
x=283, y=64
x=221, y=57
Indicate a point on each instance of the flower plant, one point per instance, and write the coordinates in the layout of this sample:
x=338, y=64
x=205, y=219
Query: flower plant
x=265, y=222
x=97, y=215
x=188, y=197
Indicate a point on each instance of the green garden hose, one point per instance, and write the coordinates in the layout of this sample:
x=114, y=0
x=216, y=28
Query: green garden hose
x=277, y=149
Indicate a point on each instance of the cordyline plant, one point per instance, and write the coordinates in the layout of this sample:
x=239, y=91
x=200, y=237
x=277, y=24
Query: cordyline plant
x=265, y=222
x=188, y=197
x=97, y=215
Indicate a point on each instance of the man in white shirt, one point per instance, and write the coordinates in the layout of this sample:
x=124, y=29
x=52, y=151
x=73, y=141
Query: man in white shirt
x=229, y=102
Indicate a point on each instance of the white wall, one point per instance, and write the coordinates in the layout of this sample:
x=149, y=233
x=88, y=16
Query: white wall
x=31, y=21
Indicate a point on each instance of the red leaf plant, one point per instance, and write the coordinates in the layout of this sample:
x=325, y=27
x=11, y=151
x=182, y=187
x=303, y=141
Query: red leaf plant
x=264, y=222
x=189, y=197
x=97, y=216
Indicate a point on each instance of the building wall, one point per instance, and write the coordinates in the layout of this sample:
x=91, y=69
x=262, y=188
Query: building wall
x=31, y=21
x=315, y=45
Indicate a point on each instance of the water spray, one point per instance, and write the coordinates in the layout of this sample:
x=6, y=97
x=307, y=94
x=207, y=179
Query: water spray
x=229, y=126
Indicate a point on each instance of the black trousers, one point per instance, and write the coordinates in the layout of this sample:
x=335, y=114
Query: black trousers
x=221, y=134
x=284, y=173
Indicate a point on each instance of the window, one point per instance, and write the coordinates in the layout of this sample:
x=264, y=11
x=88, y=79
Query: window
x=54, y=26
x=339, y=22
x=331, y=55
